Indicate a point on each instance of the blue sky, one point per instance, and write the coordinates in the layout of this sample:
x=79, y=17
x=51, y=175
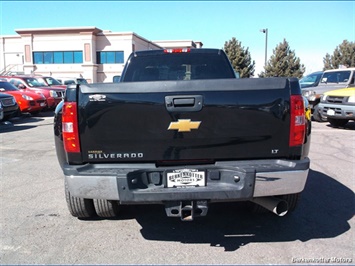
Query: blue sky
x=312, y=28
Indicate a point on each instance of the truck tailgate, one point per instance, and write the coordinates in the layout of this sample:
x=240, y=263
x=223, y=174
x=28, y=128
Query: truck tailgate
x=184, y=120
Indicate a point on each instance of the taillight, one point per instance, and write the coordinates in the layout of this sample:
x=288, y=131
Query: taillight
x=179, y=50
x=70, y=127
x=297, y=121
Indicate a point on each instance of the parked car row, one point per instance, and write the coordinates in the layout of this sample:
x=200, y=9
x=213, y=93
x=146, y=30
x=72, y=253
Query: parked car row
x=331, y=95
x=33, y=94
x=28, y=101
x=28, y=94
x=52, y=94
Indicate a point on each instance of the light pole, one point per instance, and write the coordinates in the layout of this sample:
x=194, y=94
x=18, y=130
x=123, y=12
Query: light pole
x=265, y=31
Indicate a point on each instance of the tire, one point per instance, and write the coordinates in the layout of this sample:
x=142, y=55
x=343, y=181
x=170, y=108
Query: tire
x=79, y=207
x=337, y=122
x=292, y=200
x=106, y=208
x=317, y=116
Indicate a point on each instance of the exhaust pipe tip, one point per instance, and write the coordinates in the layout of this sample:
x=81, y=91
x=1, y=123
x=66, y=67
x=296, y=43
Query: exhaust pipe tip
x=275, y=205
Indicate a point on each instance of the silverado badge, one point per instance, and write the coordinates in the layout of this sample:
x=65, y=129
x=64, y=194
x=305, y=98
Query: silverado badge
x=184, y=125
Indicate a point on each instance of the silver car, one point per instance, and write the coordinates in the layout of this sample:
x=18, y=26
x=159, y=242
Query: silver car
x=331, y=80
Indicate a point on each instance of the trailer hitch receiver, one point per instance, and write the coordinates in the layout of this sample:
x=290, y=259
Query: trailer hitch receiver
x=186, y=210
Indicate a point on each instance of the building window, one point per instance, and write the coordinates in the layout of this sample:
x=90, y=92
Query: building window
x=48, y=58
x=59, y=57
x=37, y=58
x=78, y=57
x=111, y=57
x=68, y=57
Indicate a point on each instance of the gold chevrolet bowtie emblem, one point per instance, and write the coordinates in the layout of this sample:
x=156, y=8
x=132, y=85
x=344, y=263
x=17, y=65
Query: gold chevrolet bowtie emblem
x=184, y=125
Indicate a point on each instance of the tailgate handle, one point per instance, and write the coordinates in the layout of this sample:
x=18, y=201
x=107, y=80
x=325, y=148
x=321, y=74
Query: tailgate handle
x=184, y=103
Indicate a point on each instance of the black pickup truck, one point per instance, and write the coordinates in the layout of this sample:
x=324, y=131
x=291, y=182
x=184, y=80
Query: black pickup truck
x=180, y=129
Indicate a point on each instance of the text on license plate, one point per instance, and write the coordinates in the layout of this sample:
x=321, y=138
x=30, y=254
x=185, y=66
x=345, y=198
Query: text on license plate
x=186, y=177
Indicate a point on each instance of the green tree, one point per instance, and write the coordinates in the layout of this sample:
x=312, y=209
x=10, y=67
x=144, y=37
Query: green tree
x=327, y=62
x=240, y=58
x=344, y=55
x=283, y=63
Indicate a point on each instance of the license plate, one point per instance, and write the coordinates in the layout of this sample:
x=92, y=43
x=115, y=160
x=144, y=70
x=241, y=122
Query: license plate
x=330, y=112
x=42, y=104
x=186, y=177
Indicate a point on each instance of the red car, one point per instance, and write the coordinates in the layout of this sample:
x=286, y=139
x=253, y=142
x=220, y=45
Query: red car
x=28, y=83
x=29, y=102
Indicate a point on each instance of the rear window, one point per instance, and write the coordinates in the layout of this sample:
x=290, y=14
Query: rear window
x=179, y=66
x=336, y=77
x=69, y=82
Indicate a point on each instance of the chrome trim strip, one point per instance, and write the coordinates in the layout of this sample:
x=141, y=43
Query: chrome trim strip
x=280, y=183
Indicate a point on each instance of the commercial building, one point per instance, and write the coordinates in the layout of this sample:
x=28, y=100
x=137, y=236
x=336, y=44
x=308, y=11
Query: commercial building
x=94, y=54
